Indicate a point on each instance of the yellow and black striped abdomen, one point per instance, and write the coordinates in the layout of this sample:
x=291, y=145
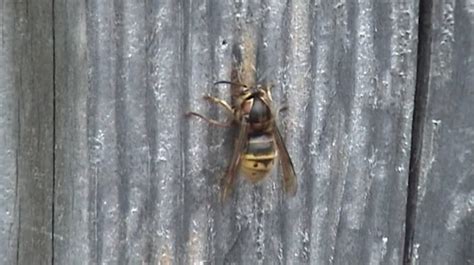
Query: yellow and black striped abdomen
x=259, y=157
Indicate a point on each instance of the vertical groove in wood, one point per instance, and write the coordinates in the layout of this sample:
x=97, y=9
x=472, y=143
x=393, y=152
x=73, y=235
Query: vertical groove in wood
x=419, y=120
x=53, y=145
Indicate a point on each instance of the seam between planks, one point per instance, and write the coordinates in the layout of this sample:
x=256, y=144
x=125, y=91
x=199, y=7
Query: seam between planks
x=419, y=116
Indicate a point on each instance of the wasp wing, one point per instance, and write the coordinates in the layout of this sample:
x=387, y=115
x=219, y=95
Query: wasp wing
x=289, y=175
x=234, y=166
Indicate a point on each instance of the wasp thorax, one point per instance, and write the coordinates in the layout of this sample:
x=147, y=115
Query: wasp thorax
x=259, y=114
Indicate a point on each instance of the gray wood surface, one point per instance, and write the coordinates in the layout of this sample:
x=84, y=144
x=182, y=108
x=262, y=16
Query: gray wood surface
x=26, y=132
x=96, y=149
x=444, y=231
x=139, y=183
x=8, y=140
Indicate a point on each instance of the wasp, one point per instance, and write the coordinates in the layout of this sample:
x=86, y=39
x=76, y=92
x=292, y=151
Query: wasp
x=259, y=142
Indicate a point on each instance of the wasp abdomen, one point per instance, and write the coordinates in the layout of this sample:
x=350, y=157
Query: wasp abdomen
x=258, y=159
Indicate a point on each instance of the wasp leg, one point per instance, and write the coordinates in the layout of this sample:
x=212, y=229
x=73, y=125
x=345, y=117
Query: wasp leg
x=221, y=102
x=210, y=121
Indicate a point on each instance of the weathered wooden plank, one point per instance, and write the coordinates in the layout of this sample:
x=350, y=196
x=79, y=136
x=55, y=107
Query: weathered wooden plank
x=118, y=192
x=444, y=228
x=35, y=161
x=138, y=183
x=353, y=140
x=74, y=241
x=8, y=138
x=26, y=133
